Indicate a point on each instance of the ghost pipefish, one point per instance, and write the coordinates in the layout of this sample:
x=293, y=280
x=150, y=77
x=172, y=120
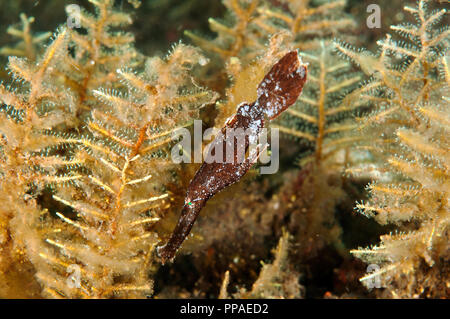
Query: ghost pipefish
x=279, y=89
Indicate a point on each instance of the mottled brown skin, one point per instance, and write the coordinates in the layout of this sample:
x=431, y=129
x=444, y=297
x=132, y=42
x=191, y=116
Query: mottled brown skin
x=278, y=90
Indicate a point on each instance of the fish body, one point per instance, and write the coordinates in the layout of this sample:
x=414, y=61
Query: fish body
x=279, y=89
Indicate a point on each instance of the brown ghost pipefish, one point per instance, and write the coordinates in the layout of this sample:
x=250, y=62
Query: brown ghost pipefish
x=278, y=90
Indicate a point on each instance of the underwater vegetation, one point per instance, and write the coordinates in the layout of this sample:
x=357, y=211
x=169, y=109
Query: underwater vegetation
x=359, y=207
